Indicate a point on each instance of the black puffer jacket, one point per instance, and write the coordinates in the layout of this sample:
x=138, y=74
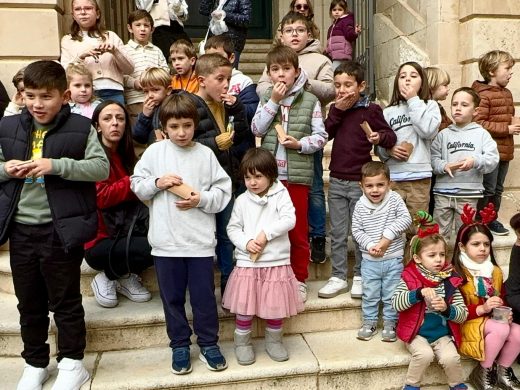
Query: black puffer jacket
x=238, y=16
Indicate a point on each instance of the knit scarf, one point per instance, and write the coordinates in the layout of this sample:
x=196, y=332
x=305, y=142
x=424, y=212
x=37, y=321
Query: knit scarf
x=435, y=277
x=482, y=275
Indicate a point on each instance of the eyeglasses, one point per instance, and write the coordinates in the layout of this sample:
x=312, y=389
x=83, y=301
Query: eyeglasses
x=86, y=9
x=303, y=7
x=291, y=31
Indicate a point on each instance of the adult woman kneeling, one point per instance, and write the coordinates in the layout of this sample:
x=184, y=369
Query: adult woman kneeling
x=120, y=250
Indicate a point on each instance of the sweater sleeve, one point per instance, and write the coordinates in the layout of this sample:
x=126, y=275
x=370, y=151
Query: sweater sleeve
x=317, y=140
x=487, y=161
x=496, y=129
x=401, y=222
x=438, y=164
x=142, y=182
x=287, y=217
x=333, y=121
x=112, y=193
x=458, y=312
x=349, y=29
x=142, y=128
x=425, y=117
x=323, y=85
x=218, y=196
x=387, y=137
x=263, y=118
x=403, y=298
x=122, y=58
x=235, y=227
x=364, y=241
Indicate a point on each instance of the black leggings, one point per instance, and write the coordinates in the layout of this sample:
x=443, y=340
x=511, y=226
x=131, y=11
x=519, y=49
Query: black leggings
x=110, y=258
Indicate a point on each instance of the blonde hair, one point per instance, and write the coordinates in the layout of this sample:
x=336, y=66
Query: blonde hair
x=183, y=46
x=152, y=77
x=78, y=69
x=436, y=77
x=489, y=62
x=209, y=63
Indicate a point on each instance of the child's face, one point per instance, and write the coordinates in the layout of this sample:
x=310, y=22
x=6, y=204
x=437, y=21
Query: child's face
x=257, y=183
x=111, y=125
x=181, y=62
x=222, y=52
x=502, y=75
x=284, y=73
x=20, y=88
x=346, y=85
x=477, y=248
x=441, y=92
x=180, y=131
x=85, y=14
x=337, y=12
x=295, y=35
x=432, y=256
x=375, y=188
x=463, y=108
x=408, y=76
x=216, y=84
x=157, y=93
x=141, y=30
x=80, y=89
x=44, y=104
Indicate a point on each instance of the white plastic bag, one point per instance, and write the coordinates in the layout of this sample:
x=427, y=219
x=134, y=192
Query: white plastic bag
x=217, y=25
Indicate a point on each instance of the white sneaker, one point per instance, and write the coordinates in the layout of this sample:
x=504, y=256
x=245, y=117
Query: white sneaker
x=357, y=287
x=71, y=375
x=104, y=290
x=132, y=288
x=333, y=288
x=302, y=287
x=32, y=378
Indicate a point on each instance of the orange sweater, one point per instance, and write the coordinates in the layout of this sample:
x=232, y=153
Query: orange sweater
x=188, y=84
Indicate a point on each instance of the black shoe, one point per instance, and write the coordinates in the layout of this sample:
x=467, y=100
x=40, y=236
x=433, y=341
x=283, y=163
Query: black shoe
x=497, y=228
x=318, y=250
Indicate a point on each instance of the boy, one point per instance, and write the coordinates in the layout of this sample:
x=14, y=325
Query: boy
x=17, y=103
x=461, y=154
x=380, y=218
x=183, y=57
x=298, y=112
x=223, y=128
x=296, y=34
x=144, y=55
x=155, y=83
x=64, y=160
x=495, y=114
x=182, y=230
x=351, y=149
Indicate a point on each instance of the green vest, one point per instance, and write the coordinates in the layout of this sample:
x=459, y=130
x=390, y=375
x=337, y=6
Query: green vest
x=300, y=167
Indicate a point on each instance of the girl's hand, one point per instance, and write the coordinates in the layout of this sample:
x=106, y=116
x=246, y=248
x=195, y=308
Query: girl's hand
x=438, y=304
x=261, y=239
x=291, y=143
x=399, y=153
x=168, y=181
x=514, y=129
x=95, y=53
x=358, y=28
x=253, y=247
x=491, y=303
x=190, y=203
x=106, y=47
x=407, y=92
x=450, y=168
x=279, y=91
x=428, y=293
x=467, y=163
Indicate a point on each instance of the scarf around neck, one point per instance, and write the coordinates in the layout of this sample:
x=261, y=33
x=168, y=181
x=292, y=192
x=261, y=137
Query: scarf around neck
x=435, y=277
x=482, y=274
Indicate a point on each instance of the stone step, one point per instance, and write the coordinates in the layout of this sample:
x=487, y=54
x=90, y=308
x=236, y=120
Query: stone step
x=318, y=360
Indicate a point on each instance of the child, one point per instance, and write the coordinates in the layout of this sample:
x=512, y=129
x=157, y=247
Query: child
x=102, y=51
x=299, y=113
x=495, y=114
x=223, y=128
x=296, y=34
x=350, y=150
x=65, y=161
x=155, y=83
x=494, y=344
x=82, y=100
x=182, y=231
x=263, y=283
x=512, y=283
x=183, y=57
x=415, y=120
x=431, y=307
x=461, y=154
x=342, y=34
x=439, y=81
x=379, y=220
x=144, y=55
x=17, y=102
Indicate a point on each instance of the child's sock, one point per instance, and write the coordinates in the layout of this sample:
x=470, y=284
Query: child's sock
x=274, y=325
x=243, y=324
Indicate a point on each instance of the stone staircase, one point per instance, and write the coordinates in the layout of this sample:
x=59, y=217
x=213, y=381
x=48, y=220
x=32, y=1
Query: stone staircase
x=127, y=346
x=252, y=59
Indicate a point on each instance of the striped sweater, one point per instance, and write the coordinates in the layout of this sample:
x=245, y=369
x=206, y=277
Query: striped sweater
x=389, y=219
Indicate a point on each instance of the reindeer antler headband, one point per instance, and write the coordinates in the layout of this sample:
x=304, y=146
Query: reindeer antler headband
x=487, y=215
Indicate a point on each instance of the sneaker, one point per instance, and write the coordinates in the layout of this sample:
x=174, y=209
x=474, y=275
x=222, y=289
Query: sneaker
x=410, y=387
x=302, y=287
x=213, y=358
x=32, y=378
x=104, y=290
x=388, y=334
x=460, y=386
x=497, y=228
x=71, y=375
x=357, y=287
x=333, y=288
x=367, y=331
x=318, y=255
x=132, y=288
x=181, y=363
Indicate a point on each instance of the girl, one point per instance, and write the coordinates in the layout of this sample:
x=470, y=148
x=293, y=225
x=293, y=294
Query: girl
x=494, y=344
x=100, y=50
x=262, y=283
x=428, y=295
x=119, y=258
x=439, y=81
x=415, y=119
x=80, y=83
x=342, y=33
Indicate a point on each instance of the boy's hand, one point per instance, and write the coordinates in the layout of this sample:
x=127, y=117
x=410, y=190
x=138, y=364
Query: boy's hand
x=148, y=106
x=344, y=102
x=374, y=252
x=514, y=129
x=16, y=168
x=279, y=91
x=18, y=99
x=168, y=181
x=39, y=167
x=190, y=203
x=228, y=99
x=450, y=168
x=290, y=142
x=407, y=92
x=374, y=138
x=382, y=246
x=399, y=153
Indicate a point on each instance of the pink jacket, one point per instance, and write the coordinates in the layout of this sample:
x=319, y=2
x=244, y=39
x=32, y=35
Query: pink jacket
x=340, y=37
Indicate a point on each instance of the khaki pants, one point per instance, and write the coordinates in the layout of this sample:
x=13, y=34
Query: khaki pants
x=422, y=355
x=416, y=195
x=448, y=210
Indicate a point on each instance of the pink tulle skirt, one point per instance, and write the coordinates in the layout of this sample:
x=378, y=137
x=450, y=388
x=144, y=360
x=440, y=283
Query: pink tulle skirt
x=268, y=293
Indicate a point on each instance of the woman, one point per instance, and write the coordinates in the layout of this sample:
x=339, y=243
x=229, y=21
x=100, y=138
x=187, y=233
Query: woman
x=304, y=7
x=120, y=259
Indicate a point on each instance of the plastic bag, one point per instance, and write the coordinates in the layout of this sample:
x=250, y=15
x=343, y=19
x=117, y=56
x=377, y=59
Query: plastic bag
x=217, y=25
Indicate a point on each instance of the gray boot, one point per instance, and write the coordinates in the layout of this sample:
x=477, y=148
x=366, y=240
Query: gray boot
x=244, y=349
x=483, y=378
x=506, y=378
x=274, y=346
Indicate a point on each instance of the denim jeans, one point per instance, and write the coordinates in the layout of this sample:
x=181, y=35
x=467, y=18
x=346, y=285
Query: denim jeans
x=494, y=186
x=380, y=279
x=111, y=94
x=343, y=196
x=225, y=248
x=317, y=211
